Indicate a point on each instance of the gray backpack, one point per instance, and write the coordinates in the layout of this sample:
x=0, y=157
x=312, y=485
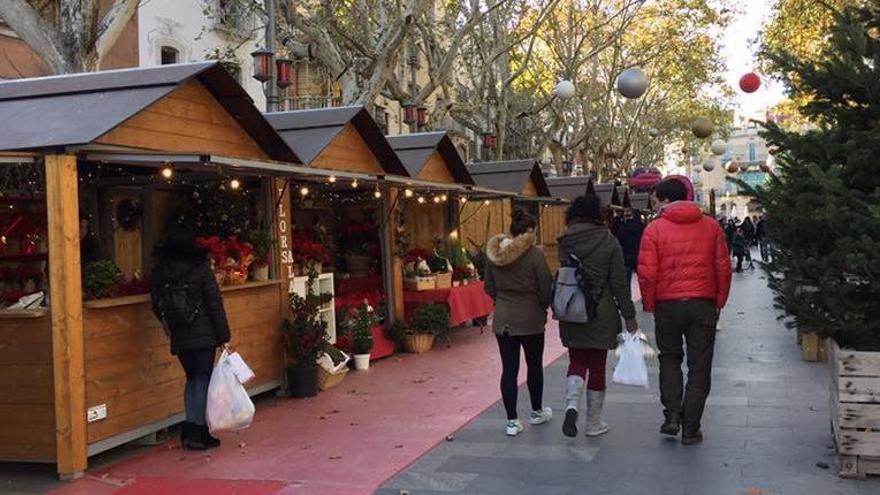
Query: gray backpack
x=573, y=300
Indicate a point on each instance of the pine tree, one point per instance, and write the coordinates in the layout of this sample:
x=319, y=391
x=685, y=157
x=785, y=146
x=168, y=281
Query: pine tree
x=823, y=202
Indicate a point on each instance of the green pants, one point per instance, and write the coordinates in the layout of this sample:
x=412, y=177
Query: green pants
x=695, y=321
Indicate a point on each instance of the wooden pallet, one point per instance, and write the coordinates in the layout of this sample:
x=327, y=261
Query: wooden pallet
x=813, y=347
x=855, y=410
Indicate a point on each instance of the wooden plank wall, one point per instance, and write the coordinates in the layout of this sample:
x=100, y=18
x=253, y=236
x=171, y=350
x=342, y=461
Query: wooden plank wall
x=27, y=430
x=349, y=152
x=436, y=170
x=130, y=369
x=855, y=409
x=552, y=225
x=425, y=223
x=479, y=222
x=190, y=119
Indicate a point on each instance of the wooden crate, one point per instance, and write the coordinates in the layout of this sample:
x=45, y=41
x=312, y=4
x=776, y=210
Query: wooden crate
x=443, y=280
x=419, y=283
x=855, y=410
x=813, y=347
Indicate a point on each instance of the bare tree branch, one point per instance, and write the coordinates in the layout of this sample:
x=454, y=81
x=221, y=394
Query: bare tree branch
x=112, y=24
x=36, y=32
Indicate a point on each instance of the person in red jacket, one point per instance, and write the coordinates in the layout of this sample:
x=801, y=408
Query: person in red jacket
x=684, y=275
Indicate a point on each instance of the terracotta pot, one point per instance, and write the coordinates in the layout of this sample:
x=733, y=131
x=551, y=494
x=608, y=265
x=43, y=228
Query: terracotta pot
x=418, y=343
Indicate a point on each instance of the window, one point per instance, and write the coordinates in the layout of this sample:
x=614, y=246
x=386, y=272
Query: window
x=382, y=119
x=169, y=55
x=752, y=153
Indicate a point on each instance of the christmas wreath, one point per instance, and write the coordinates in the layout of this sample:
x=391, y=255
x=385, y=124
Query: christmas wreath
x=128, y=214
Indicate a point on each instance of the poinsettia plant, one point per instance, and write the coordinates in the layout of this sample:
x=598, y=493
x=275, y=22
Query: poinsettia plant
x=305, y=250
x=229, y=252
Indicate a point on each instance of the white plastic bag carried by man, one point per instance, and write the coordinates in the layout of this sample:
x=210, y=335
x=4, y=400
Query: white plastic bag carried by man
x=229, y=405
x=631, y=368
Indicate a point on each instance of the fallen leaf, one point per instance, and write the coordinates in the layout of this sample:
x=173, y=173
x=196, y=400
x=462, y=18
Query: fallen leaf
x=242, y=445
x=754, y=491
x=449, y=438
x=398, y=446
x=823, y=465
x=335, y=457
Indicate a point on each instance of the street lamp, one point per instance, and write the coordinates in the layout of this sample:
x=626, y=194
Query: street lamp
x=284, y=69
x=262, y=64
x=409, y=113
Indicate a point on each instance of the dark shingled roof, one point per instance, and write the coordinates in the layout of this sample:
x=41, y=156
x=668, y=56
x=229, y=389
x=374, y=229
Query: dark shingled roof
x=308, y=132
x=77, y=109
x=414, y=150
x=572, y=187
x=509, y=176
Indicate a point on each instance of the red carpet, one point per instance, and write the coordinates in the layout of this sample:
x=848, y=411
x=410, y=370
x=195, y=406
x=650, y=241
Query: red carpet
x=349, y=439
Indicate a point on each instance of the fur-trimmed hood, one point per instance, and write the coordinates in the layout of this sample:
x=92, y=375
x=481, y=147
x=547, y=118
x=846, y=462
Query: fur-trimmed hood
x=504, y=250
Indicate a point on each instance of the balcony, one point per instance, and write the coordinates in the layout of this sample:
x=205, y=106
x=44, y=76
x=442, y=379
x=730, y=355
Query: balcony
x=310, y=102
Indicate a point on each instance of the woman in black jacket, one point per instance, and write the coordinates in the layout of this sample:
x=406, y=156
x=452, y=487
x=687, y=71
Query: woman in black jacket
x=630, y=236
x=187, y=300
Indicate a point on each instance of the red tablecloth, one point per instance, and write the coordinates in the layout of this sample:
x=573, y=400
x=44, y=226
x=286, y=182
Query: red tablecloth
x=349, y=285
x=465, y=303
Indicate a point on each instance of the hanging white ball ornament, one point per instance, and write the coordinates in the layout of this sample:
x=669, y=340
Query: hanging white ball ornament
x=708, y=165
x=719, y=147
x=564, y=89
x=702, y=127
x=632, y=83
x=653, y=132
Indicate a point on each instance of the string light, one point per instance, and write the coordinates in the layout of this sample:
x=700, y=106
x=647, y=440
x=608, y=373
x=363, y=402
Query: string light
x=354, y=184
x=304, y=191
x=234, y=184
x=463, y=200
x=421, y=199
x=443, y=197
x=436, y=199
x=486, y=202
x=332, y=179
x=377, y=193
x=453, y=235
x=408, y=193
x=167, y=172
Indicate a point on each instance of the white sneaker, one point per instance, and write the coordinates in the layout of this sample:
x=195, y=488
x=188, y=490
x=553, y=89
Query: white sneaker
x=514, y=427
x=542, y=416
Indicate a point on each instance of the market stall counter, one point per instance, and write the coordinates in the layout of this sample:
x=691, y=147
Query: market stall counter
x=466, y=302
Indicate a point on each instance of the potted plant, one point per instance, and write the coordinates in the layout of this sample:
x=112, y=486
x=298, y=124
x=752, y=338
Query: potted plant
x=442, y=270
x=332, y=366
x=99, y=278
x=262, y=242
x=308, y=256
x=396, y=332
x=361, y=326
x=304, y=337
x=429, y=320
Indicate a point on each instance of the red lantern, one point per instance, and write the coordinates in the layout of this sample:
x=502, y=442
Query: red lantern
x=489, y=140
x=262, y=64
x=423, y=116
x=750, y=82
x=285, y=72
x=409, y=113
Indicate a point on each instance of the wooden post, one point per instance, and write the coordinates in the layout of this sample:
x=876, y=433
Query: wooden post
x=395, y=296
x=65, y=299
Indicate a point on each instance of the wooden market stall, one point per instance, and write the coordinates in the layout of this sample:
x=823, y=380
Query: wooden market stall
x=79, y=377
x=347, y=148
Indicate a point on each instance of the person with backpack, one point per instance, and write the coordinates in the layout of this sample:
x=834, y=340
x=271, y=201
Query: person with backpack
x=684, y=275
x=588, y=245
x=519, y=281
x=187, y=300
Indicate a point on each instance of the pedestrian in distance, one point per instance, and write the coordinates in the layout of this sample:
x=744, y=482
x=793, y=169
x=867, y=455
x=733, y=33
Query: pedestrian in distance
x=729, y=231
x=763, y=240
x=748, y=231
x=630, y=236
x=684, y=276
x=601, y=256
x=519, y=281
x=739, y=248
x=187, y=300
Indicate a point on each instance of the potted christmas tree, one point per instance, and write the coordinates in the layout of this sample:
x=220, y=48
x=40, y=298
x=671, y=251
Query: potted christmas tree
x=361, y=325
x=428, y=321
x=304, y=336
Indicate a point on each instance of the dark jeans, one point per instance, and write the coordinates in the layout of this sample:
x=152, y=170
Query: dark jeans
x=695, y=320
x=533, y=347
x=197, y=364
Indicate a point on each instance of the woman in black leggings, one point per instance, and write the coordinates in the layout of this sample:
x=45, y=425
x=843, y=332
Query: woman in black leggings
x=518, y=279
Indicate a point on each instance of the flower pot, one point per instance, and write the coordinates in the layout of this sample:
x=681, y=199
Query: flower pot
x=261, y=273
x=418, y=343
x=327, y=380
x=302, y=382
x=361, y=361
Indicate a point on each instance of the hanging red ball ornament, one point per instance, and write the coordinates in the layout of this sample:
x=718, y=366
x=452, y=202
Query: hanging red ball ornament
x=750, y=82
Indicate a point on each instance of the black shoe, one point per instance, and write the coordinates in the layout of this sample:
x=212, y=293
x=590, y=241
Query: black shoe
x=691, y=438
x=569, y=426
x=185, y=429
x=206, y=438
x=670, y=427
x=190, y=437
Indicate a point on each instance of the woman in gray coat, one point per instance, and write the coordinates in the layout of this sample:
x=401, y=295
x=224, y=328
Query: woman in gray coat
x=518, y=279
x=587, y=237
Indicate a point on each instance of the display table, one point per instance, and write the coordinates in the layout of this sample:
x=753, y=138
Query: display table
x=366, y=284
x=466, y=302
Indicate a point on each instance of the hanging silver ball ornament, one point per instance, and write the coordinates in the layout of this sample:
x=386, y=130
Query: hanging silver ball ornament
x=732, y=167
x=632, y=83
x=744, y=167
x=708, y=165
x=564, y=89
x=653, y=132
x=702, y=127
x=719, y=147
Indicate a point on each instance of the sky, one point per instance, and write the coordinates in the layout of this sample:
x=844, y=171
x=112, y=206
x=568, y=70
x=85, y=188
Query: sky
x=739, y=52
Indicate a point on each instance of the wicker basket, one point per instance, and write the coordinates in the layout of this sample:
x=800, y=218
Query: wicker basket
x=418, y=343
x=444, y=280
x=327, y=380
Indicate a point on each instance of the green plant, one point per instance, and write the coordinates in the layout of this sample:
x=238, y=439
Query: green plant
x=396, y=331
x=430, y=318
x=99, y=278
x=438, y=263
x=336, y=355
x=459, y=256
x=262, y=241
x=305, y=333
x=362, y=324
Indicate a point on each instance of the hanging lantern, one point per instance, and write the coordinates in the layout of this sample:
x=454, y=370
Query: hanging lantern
x=409, y=113
x=702, y=127
x=262, y=64
x=632, y=83
x=489, y=140
x=284, y=67
x=750, y=82
x=422, y=114
x=564, y=89
x=719, y=147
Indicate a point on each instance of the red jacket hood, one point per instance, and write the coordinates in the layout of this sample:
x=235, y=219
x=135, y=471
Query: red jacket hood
x=682, y=212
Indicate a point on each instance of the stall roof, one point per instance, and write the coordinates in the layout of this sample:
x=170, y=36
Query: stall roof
x=309, y=132
x=415, y=151
x=572, y=187
x=77, y=109
x=510, y=176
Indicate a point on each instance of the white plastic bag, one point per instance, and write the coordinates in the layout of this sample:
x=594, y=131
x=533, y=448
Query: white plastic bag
x=240, y=369
x=229, y=406
x=631, y=368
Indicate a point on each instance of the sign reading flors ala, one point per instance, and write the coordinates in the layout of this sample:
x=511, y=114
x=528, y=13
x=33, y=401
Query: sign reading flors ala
x=285, y=254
